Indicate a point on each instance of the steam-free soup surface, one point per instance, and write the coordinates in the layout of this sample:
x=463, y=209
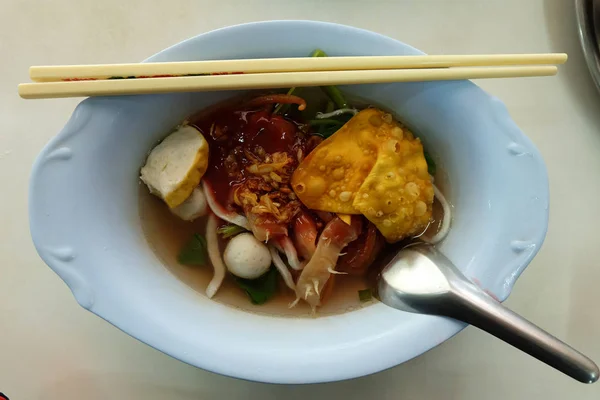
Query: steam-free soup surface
x=166, y=235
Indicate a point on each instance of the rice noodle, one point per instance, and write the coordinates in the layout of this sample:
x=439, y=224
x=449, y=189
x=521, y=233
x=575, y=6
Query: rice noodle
x=282, y=268
x=438, y=237
x=214, y=254
x=335, y=113
x=220, y=211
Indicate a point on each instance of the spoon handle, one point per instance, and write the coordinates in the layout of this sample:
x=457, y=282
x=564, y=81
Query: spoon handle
x=481, y=310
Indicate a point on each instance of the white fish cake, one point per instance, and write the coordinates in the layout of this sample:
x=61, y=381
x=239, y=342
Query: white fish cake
x=176, y=165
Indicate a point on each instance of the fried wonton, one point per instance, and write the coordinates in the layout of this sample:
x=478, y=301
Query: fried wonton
x=371, y=166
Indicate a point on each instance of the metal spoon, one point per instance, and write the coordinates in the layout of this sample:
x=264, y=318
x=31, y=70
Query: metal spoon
x=422, y=280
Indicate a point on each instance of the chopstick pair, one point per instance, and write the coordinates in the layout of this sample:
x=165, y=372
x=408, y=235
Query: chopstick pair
x=146, y=78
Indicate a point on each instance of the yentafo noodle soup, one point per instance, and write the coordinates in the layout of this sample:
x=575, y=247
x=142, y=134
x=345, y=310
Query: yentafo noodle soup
x=273, y=205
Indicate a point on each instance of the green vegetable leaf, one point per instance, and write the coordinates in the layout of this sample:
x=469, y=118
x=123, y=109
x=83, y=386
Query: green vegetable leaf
x=365, y=295
x=331, y=121
x=318, y=53
x=283, y=108
x=329, y=130
x=329, y=126
x=194, y=251
x=431, y=167
x=329, y=107
x=261, y=289
x=331, y=91
x=230, y=230
x=335, y=95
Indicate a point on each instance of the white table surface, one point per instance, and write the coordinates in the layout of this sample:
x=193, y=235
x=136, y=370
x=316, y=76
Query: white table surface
x=50, y=348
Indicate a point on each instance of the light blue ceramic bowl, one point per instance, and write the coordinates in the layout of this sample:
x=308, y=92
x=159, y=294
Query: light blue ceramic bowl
x=85, y=221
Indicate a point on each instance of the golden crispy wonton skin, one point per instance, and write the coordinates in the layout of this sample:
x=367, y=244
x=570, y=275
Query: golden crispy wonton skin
x=371, y=166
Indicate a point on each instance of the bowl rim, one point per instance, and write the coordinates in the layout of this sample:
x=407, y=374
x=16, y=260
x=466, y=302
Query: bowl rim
x=445, y=328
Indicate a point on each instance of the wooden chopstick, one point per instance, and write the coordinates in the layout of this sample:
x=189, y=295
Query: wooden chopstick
x=268, y=81
x=145, y=70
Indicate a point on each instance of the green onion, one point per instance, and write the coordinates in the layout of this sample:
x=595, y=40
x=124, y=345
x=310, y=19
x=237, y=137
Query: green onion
x=335, y=95
x=329, y=107
x=365, y=295
x=230, y=230
x=331, y=91
x=318, y=53
x=194, y=251
x=283, y=107
x=330, y=130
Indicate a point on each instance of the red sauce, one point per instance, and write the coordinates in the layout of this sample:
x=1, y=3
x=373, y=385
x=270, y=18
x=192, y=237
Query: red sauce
x=231, y=133
x=236, y=137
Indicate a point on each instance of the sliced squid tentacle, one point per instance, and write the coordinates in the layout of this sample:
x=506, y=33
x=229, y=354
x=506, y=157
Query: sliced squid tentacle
x=334, y=272
x=214, y=254
x=220, y=211
x=335, y=236
x=294, y=303
x=282, y=268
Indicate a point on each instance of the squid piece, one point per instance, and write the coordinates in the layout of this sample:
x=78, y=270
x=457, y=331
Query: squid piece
x=305, y=235
x=335, y=236
x=361, y=253
x=265, y=231
x=325, y=215
x=214, y=254
x=220, y=211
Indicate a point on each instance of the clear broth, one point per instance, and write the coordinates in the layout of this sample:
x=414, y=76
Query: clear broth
x=167, y=234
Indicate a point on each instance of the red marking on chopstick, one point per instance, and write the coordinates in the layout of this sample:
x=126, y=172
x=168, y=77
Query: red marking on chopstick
x=228, y=73
x=157, y=76
x=79, y=79
x=150, y=76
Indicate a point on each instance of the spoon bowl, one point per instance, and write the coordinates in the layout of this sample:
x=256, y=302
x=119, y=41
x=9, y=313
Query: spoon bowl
x=420, y=279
